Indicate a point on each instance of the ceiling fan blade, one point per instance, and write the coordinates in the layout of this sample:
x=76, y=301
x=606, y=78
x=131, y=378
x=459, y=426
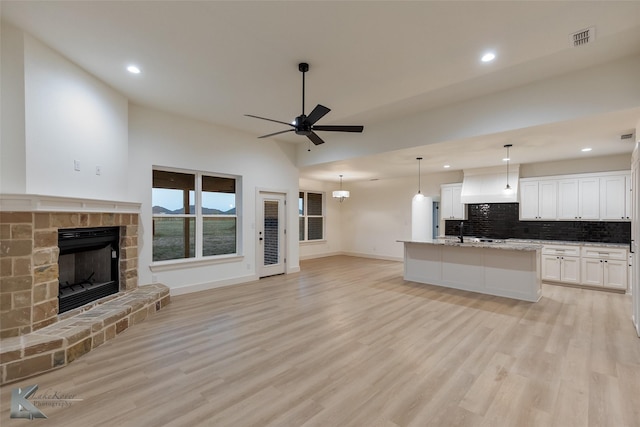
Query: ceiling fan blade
x=276, y=133
x=315, y=138
x=271, y=120
x=319, y=112
x=339, y=128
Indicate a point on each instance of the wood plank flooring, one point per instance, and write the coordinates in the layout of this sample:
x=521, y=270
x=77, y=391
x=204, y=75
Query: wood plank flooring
x=347, y=342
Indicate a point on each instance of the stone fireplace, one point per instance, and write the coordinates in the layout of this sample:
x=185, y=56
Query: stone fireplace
x=36, y=336
x=29, y=263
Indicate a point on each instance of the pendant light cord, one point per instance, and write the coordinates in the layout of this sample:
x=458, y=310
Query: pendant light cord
x=418, y=159
x=507, y=146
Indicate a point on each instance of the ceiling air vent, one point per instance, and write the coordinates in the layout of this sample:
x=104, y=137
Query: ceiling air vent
x=582, y=37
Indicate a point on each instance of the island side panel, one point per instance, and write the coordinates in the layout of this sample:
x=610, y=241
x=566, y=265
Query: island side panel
x=504, y=271
x=514, y=274
x=423, y=263
x=463, y=268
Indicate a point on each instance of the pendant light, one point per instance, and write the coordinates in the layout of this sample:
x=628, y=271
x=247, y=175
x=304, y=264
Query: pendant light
x=341, y=194
x=419, y=159
x=421, y=213
x=508, y=189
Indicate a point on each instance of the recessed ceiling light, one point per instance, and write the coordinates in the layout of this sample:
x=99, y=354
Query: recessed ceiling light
x=446, y=166
x=584, y=150
x=488, y=57
x=506, y=159
x=133, y=69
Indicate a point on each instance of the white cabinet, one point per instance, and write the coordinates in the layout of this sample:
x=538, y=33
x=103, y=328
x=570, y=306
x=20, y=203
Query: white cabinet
x=538, y=199
x=450, y=205
x=628, y=199
x=561, y=264
x=615, y=197
x=605, y=267
x=579, y=198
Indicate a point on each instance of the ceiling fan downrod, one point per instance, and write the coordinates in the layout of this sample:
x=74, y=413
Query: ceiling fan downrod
x=303, y=67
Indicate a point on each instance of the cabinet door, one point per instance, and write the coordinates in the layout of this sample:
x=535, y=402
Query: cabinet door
x=457, y=208
x=548, y=200
x=446, y=202
x=529, y=200
x=568, y=199
x=551, y=268
x=628, y=214
x=613, y=195
x=615, y=274
x=570, y=269
x=592, y=271
x=589, y=198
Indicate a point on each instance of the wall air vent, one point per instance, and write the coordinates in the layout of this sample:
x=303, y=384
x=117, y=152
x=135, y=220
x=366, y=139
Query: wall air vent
x=626, y=136
x=582, y=37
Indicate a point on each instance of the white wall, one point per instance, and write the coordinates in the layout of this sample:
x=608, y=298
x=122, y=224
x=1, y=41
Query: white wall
x=605, y=88
x=161, y=139
x=70, y=115
x=379, y=213
x=12, y=148
x=331, y=245
x=620, y=162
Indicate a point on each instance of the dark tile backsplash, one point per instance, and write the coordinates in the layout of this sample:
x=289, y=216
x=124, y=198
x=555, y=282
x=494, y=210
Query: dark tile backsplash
x=500, y=221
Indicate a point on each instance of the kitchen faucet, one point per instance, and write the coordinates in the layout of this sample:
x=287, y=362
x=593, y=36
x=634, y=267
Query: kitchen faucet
x=461, y=237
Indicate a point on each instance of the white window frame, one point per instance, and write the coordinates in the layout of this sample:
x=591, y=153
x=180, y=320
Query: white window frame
x=199, y=218
x=306, y=216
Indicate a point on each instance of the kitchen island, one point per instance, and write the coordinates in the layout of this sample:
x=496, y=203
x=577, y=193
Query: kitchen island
x=503, y=269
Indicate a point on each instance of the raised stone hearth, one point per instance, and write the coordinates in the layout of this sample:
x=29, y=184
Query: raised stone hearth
x=34, y=337
x=56, y=345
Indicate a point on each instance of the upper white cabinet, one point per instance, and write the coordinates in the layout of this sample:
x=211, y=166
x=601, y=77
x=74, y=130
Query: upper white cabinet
x=628, y=199
x=602, y=196
x=450, y=205
x=614, y=195
x=538, y=199
x=579, y=198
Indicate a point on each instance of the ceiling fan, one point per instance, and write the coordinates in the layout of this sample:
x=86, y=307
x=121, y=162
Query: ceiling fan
x=305, y=125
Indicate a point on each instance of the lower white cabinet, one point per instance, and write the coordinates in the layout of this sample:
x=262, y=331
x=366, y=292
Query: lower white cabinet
x=596, y=266
x=605, y=267
x=561, y=264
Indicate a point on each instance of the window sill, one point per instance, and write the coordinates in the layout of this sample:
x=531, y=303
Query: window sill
x=178, y=264
x=312, y=242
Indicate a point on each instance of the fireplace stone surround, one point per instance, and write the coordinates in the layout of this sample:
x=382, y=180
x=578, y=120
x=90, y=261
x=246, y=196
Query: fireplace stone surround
x=34, y=336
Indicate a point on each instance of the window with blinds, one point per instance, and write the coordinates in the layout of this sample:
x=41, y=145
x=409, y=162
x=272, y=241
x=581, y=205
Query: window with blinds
x=311, y=211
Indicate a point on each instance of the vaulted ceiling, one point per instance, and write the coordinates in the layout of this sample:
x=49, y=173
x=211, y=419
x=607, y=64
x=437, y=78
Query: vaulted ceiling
x=371, y=63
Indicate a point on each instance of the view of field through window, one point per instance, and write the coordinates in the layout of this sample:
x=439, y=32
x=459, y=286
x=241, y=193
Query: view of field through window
x=175, y=214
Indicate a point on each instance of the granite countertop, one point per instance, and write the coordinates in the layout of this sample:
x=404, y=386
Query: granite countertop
x=566, y=242
x=469, y=243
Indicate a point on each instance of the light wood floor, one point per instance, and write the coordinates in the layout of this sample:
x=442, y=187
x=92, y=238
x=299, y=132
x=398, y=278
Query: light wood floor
x=347, y=342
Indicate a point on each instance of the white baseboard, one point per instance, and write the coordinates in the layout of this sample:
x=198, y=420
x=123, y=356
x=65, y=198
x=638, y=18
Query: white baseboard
x=322, y=255
x=355, y=254
x=212, y=285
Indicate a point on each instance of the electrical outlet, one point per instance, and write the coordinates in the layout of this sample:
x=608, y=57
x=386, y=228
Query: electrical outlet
x=98, y=170
x=76, y=165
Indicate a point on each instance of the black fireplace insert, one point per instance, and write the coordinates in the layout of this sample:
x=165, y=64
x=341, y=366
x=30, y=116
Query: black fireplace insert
x=88, y=265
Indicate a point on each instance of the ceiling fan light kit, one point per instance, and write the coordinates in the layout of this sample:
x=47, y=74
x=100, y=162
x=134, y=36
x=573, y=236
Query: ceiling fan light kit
x=305, y=125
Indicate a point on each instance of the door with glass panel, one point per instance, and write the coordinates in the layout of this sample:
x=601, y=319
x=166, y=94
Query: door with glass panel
x=270, y=233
